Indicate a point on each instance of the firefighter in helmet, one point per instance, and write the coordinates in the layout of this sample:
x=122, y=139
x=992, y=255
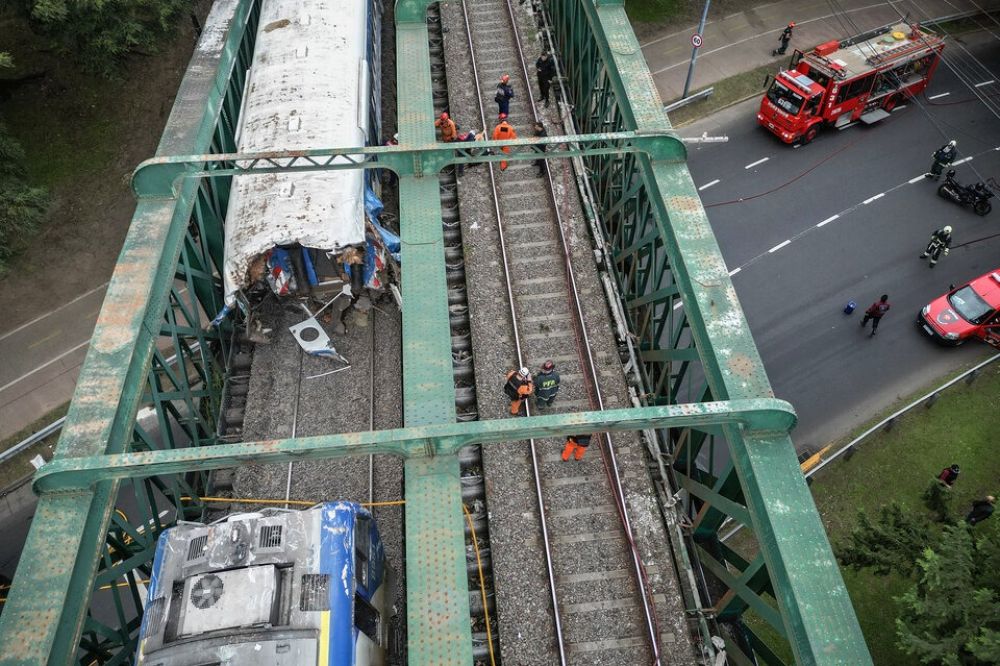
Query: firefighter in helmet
x=518, y=388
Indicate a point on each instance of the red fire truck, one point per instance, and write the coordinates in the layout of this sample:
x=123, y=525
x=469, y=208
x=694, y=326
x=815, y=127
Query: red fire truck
x=839, y=83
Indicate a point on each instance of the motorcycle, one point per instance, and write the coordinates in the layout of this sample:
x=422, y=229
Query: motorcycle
x=978, y=196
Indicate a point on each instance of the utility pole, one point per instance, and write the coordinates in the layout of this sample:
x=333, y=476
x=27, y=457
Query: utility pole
x=696, y=46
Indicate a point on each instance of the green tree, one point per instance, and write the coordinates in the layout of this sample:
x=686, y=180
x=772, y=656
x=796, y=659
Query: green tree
x=952, y=615
x=102, y=32
x=890, y=543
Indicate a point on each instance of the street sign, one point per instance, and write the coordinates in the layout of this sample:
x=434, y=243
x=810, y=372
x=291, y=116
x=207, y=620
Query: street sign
x=696, y=40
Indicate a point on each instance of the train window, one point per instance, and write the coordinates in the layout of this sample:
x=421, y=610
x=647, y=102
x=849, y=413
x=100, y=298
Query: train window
x=315, y=592
x=362, y=549
x=367, y=618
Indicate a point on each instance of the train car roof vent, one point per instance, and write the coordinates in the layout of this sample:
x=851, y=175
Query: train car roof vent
x=270, y=536
x=198, y=548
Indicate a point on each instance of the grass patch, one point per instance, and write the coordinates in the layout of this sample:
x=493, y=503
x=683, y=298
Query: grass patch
x=728, y=91
x=19, y=466
x=651, y=11
x=898, y=465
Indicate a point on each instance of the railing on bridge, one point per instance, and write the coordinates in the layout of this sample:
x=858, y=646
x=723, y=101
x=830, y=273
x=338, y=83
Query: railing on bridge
x=707, y=395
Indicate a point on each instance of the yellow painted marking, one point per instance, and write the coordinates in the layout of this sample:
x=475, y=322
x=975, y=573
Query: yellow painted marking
x=324, y=638
x=45, y=339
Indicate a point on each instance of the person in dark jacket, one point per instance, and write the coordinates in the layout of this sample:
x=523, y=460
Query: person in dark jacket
x=876, y=311
x=943, y=157
x=940, y=242
x=469, y=137
x=784, y=38
x=505, y=93
x=518, y=388
x=576, y=446
x=539, y=131
x=546, y=384
x=545, y=66
x=949, y=475
x=981, y=510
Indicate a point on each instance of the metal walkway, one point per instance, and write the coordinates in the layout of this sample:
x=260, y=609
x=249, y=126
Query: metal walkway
x=703, y=384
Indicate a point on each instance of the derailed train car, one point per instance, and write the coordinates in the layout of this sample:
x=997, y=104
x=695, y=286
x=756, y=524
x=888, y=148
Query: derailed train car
x=314, y=82
x=277, y=587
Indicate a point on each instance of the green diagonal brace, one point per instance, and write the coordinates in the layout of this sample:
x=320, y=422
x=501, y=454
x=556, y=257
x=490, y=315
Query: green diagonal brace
x=78, y=474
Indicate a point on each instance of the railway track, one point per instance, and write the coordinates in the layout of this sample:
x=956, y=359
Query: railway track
x=599, y=603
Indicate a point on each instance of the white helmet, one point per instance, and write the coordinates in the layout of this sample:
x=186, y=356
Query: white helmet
x=524, y=372
x=952, y=142
x=947, y=229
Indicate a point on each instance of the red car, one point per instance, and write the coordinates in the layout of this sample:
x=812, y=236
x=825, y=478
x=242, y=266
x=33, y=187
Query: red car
x=971, y=311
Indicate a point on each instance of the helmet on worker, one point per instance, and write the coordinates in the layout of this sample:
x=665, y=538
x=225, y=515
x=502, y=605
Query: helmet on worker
x=947, y=229
x=952, y=143
x=791, y=24
x=524, y=372
x=505, y=78
x=444, y=115
x=502, y=116
x=548, y=365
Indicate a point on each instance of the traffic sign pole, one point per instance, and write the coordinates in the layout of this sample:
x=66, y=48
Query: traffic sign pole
x=696, y=42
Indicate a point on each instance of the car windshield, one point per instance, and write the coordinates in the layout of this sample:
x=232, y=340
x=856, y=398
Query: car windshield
x=784, y=98
x=970, y=305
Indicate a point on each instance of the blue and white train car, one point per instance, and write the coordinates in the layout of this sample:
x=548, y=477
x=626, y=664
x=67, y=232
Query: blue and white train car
x=314, y=82
x=277, y=587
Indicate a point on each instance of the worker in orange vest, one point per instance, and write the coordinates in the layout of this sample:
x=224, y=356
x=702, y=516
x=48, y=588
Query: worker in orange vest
x=518, y=387
x=504, y=132
x=448, y=128
x=576, y=446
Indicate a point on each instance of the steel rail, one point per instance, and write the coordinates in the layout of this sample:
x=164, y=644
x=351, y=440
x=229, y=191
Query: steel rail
x=613, y=473
x=543, y=521
x=371, y=409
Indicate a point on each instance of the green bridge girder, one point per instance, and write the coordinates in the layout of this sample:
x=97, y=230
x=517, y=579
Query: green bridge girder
x=705, y=385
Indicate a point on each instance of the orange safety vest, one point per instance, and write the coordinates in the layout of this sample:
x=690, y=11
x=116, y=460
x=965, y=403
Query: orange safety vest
x=448, y=129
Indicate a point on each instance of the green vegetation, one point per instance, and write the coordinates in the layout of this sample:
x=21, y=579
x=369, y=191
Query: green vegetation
x=651, y=11
x=726, y=92
x=19, y=467
x=888, y=476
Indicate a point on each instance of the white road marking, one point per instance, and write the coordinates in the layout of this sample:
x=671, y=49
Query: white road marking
x=985, y=83
x=779, y=246
x=843, y=127
x=900, y=107
x=828, y=220
x=708, y=185
x=939, y=95
x=734, y=271
x=753, y=164
x=917, y=179
x=44, y=365
x=961, y=161
x=52, y=312
x=871, y=199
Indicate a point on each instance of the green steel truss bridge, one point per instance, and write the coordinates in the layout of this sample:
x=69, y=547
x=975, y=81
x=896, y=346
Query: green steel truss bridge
x=664, y=255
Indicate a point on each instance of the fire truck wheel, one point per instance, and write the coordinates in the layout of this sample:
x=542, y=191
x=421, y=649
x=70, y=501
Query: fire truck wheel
x=809, y=135
x=891, y=103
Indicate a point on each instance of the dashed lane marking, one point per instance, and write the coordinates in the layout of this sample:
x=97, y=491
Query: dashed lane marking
x=708, y=185
x=961, y=161
x=45, y=365
x=985, y=83
x=734, y=271
x=917, y=179
x=753, y=164
x=828, y=220
x=871, y=199
x=944, y=94
x=780, y=245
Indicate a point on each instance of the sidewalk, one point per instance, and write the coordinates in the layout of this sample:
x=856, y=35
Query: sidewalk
x=743, y=41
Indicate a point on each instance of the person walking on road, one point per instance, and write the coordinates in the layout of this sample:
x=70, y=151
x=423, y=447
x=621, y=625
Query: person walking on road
x=940, y=242
x=504, y=131
x=539, y=132
x=505, y=93
x=943, y=157
x=576, y=446
x=518, y=388
x=546, y=384
x=545, y=66
x=449, y=130
x=981, y=510
x=876, y=311
x=949, y=475
x=784, y=38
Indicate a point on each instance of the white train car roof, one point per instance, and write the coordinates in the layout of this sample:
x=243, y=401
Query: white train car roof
x=307, y=89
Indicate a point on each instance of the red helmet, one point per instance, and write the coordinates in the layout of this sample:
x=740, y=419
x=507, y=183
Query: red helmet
x=505, y=78
x=444, y=116
x=548, y=365
x=502, y=116
x=791, y=24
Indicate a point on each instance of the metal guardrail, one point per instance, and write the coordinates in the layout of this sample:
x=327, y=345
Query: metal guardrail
x=33, y=439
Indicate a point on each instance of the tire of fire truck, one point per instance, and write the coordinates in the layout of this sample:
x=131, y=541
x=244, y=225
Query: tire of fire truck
x=809, y=135
x=982, y=208
x=890, y=103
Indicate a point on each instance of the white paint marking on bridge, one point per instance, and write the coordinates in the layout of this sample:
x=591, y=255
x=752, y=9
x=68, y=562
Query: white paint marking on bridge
x=917, y=179
x=945, y=94
x=961, y=161
x=828, y=220
x=985, y=83
x=779, y=246
x=731, y=274
x=753, y=164
x=708, y=185
x=871, y=199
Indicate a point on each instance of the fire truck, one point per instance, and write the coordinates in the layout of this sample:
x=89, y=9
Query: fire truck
x=840, y=83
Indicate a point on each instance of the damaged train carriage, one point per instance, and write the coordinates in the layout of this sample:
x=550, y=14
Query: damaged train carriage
x=314, y=82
